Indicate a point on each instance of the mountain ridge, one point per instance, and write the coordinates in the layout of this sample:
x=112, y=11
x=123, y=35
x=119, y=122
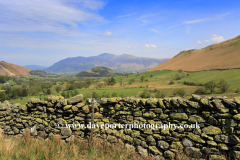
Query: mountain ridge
x=120, y=63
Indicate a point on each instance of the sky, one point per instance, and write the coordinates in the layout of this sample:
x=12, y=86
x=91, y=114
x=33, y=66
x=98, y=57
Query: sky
x=43, y=32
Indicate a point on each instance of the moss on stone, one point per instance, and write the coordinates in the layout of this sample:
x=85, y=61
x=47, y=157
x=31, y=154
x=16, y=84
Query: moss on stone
x=154, y=150
x=211, y=130
x=196, y=118
x=237, y=100
x=179, y=116
x=195, y=138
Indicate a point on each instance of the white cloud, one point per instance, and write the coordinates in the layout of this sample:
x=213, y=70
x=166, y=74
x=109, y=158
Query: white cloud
x=129, y=47
x=126, y=15
x=216, y=38
x=107, y=34
x=154, y=30
x=53, y=16
x=199, y=42
x=147, y=45
x=188, y=29
x=196, y=21
x=206, y=41
x=150, y=46
x=153, y=46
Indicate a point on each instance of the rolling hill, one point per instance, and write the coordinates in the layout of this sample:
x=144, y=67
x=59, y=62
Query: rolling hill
x=224, y=55
x=12, y=69
x=98, y=72
x=120, y=63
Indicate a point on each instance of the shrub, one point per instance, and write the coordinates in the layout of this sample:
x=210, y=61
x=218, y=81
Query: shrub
x=155, y=90
x=145, y=94
x=177, y=77
x=159, y=94
x=114, y=94
x=200, y=90
x=171, y=82
x=106, y=95
x=238, y=90
x=95, y=95
x=180, y=70
x=181, y=92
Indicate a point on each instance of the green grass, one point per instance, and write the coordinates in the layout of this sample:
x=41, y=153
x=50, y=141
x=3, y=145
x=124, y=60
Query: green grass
x=160, y=78
x=24, y=100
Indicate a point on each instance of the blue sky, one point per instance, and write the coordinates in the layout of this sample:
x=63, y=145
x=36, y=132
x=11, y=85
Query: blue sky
x=42, y=32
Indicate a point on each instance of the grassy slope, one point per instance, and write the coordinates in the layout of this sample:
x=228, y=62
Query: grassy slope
x=223, y=55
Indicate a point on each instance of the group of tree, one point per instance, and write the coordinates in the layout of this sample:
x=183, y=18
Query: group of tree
x=222, y=85
x=4, y=79
x=111, y=81
x=212, y=85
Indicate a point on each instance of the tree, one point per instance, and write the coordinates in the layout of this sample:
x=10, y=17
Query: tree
x=24, y=92
x=142, y=78
x=121, y=83
x=58, y=88
x=63, y=94
x=111, y=81
x=211, y=85
x=223, y=85
x=49, y=91
x=3, y=96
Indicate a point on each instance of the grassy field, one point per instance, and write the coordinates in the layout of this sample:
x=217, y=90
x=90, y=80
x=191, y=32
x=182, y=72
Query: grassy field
x=159, y=80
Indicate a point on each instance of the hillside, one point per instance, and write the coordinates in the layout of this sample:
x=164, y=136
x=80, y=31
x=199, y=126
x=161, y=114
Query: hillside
x=222, y=55
x=120, y=63
x=12, y=69
x=98, y=72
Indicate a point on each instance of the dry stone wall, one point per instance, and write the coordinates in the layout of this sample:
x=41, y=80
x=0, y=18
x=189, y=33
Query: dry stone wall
x=218, y=118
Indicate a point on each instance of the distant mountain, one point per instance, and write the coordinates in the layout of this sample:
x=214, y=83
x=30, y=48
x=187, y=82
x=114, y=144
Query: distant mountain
x=120, y=63
x=224, y=55
x=36, y=67
x=98, y=72
x=12, y=69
